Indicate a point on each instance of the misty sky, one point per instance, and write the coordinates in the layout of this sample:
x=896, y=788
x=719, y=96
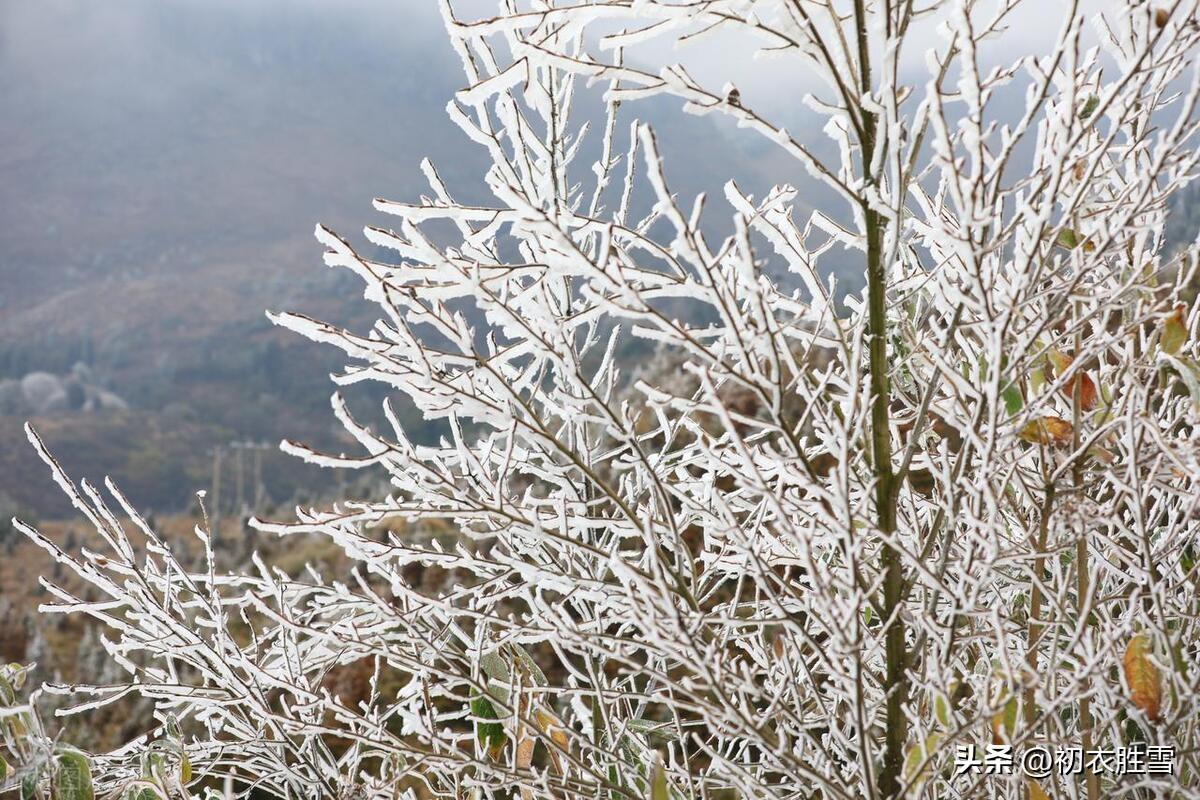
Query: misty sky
x=152, y=135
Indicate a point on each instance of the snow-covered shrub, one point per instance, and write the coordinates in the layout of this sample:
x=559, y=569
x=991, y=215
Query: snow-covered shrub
x=847, y=540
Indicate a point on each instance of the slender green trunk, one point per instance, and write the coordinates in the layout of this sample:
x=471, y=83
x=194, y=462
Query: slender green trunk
x=896, y=676
x=896, y=672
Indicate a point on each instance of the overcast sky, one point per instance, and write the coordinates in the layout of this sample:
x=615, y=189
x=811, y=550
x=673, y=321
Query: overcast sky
x=145, y=131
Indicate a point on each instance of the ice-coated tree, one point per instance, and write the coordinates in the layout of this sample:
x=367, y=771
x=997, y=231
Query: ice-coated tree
x=835, y=545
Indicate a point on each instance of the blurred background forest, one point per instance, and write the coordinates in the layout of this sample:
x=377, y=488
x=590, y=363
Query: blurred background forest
x=162, y=165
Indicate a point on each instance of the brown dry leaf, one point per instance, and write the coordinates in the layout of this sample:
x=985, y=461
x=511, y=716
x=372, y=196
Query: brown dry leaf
x=1144, y=679
x=1088, y=394
x=1161, y=16
x=553, y=727
x=1036, y=792
x=1047, y=430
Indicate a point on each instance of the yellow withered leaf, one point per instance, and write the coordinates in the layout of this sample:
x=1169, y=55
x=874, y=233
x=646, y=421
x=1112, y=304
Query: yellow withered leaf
x=1144, y=679
x=918, y=761
x=1174, y=331
x=1004, y=724
x=1047, y=430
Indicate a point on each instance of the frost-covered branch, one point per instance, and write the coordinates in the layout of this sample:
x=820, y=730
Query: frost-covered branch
x=816, y=544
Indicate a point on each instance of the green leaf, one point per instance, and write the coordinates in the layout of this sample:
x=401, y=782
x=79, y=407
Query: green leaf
x=1037, y=380
x=142, y=793
x=171, y=728
x=526, y=661
x=1013, y=402
x=649, y=727
x=29, y=786
x=3, y=770
x=490, y=734
x=658, y=781
x=942, y=710
x=1070, y=239
x=1004, y=724
x=1089, y=107
x=73, y=778
x=494, y=666
x=1189, y=371
x=16, y=674
x=154, y=765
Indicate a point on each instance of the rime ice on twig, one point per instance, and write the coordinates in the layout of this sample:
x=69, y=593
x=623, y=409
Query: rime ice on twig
x=685, y=557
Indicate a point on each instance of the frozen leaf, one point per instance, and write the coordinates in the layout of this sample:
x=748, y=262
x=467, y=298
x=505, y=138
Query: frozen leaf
x=658, y=781
x=1037, y=380
x=1189, y=373
x=1049, y=430
x=490, y=734
x=494, y=666
x=1070, y=239
x=1143, y=677
x=552, y=726
x=525, y=661
x=659, y=730
x=73, y=776
x=1004, y=723
x=918, y=761
x=1174, y=331
x=29, y=786
x=16, y=674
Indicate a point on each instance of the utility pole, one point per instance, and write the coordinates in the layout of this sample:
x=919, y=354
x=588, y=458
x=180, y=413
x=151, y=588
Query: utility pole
x=239, y=466
x=214, y=513
x=259, y=492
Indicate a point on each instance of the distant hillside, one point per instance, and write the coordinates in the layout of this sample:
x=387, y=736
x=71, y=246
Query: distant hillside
x=162, y=170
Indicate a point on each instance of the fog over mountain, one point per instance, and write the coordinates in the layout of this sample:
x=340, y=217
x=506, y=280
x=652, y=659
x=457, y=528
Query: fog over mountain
x=164, y=163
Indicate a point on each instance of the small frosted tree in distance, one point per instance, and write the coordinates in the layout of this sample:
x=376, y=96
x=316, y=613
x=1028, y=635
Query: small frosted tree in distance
x=839, y=540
